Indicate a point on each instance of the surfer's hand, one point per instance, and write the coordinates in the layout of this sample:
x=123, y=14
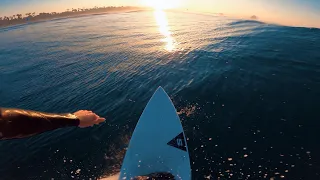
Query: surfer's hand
x=88, y=118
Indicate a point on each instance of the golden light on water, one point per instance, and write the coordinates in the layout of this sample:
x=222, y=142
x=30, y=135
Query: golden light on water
x=161, y=18
x=164, y=29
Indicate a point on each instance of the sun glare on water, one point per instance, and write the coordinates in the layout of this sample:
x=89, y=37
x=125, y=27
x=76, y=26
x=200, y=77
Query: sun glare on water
x=161, y=4
x=161, y=19
x=164, y=29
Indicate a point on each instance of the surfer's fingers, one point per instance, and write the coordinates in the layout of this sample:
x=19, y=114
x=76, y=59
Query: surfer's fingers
x=96, y=118
x=100, y=120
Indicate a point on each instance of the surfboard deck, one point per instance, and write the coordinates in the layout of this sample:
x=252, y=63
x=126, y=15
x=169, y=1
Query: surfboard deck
x=158, y=143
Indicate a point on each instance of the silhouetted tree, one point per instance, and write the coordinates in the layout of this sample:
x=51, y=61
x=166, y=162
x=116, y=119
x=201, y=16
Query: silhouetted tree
x=18, y=16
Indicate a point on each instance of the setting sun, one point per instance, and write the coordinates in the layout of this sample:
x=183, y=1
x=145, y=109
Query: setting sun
x=161, y=4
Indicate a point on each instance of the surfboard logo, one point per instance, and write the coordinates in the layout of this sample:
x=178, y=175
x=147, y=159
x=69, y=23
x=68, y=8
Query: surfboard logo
x=178, y=142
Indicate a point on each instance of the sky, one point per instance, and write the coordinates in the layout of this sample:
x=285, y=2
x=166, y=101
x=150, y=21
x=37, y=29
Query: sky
x=287, y=12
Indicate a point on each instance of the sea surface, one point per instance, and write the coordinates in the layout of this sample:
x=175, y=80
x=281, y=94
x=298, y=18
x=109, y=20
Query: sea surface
x=248, y=93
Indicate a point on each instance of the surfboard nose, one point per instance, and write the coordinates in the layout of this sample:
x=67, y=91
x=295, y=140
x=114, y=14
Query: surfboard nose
x=161, y=94
x=160, y=89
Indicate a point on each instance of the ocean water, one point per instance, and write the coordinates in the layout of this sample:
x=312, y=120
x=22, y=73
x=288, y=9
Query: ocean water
x=248, y=93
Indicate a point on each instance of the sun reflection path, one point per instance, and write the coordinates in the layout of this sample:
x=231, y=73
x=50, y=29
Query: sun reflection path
x=164, y=29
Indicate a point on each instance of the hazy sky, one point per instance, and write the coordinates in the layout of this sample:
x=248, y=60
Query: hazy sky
x=289, y=12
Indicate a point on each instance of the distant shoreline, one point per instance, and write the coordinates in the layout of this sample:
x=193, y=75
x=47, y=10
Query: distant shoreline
x=75, y=13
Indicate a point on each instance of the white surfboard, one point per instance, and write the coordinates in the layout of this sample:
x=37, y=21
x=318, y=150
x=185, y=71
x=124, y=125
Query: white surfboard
x=158, y=143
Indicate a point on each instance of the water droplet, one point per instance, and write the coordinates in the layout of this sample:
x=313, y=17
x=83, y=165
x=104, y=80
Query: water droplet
x=208, y=177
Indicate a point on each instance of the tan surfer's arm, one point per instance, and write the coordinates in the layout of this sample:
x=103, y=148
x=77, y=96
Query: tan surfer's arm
x=18, y=123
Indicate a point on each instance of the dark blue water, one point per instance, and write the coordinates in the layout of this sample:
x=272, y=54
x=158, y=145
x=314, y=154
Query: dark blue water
x=248, y=93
